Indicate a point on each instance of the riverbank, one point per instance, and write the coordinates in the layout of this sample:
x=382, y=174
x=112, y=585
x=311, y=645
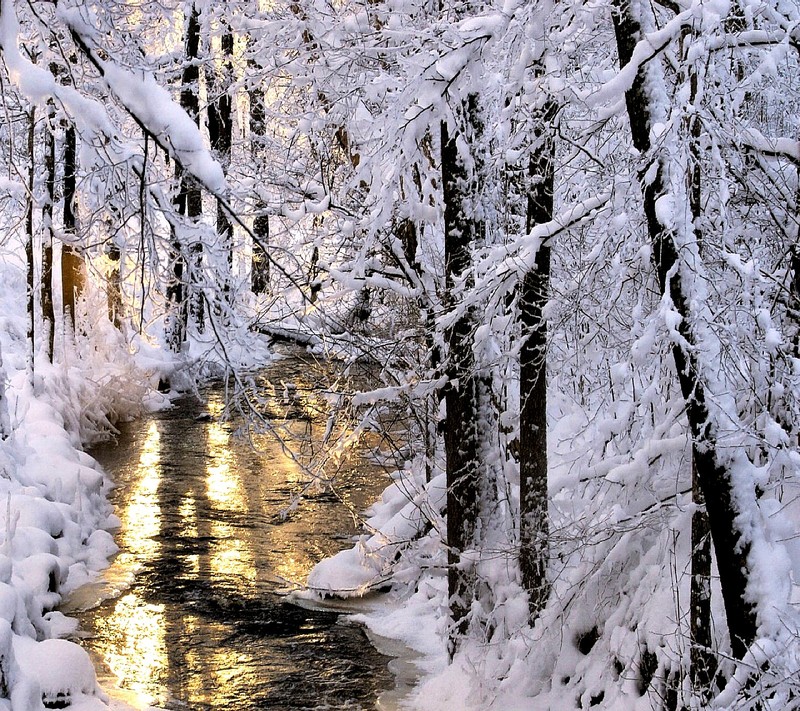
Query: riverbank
x=54, y=509
x=55, y=515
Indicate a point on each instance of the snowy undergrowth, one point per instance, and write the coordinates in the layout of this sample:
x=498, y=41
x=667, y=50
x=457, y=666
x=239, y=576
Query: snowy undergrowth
x=54, y=508
x=594, y=646
x=615, y=633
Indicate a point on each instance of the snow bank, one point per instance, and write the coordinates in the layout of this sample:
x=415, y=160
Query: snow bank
x=57, y=671
x=54, y=509
x=615, y=632
x=404, y=551
x=406, y=512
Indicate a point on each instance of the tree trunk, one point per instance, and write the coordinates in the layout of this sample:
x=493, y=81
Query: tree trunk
x=72, y=276
x=114, y=299
x=730, y=546
x=220, y=134
x=461, y=397
x=5, y=423
x=702, y=660
x=259, y=265
x=46, y=289
x=534, y=528
x=259, y=272
x=176, y=297
x=185, y=294
x=30, y=295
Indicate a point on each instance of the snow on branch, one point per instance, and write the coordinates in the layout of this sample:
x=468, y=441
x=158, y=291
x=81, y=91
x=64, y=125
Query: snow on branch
x=645, y=51
x=509, y=263
x=170, y=127
x=754, y=38
x=787, y=148
x=149, y=104
x=37, y=84
x=653, y=43
x=152, y=107
x=34, y=83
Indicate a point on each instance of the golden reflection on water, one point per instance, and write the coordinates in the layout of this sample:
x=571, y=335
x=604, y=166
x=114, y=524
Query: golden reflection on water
x=224, y=487
x=133, y=644
x=294, y=570
x=132, y=638
x=141, y=519
x=187, y=512
x=195, y=684
x=229, y=667
x=143, y=644
x=231, y=555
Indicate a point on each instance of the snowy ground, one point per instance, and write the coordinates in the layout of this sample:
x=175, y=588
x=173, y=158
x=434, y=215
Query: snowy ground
x=55, y=535
x=611, y=637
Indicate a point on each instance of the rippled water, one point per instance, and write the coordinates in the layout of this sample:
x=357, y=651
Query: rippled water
x=191, y=614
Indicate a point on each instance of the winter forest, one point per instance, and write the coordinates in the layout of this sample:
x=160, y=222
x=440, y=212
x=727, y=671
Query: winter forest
x=562, y=240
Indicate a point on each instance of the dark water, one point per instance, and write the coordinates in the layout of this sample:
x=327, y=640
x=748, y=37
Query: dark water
x=195, y=615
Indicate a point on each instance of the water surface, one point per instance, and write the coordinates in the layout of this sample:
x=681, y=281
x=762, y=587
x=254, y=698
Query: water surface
x=215, y=529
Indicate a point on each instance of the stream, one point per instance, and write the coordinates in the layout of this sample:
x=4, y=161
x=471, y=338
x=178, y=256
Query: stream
x=192, y=612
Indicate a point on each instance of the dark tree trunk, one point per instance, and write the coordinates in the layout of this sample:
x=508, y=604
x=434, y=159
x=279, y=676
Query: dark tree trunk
x=220, y=134
x=176, y=296
x=794, y=286
x=259, y=264
x=46, y=289
x=730, y=546
x=5, y=424
x=259, y=272
x=72, y=276
x=533, y=295
x=703, y=661
x=114, y=299
x=407, y=233
x=185, y=290
x=30, y=296
x=462, y=393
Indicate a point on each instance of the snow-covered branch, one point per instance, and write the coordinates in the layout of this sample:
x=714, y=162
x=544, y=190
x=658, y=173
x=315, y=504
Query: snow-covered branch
x=151, y=106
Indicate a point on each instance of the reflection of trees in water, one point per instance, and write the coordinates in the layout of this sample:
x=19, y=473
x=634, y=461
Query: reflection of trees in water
x=307, y=405
x=214, y=547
